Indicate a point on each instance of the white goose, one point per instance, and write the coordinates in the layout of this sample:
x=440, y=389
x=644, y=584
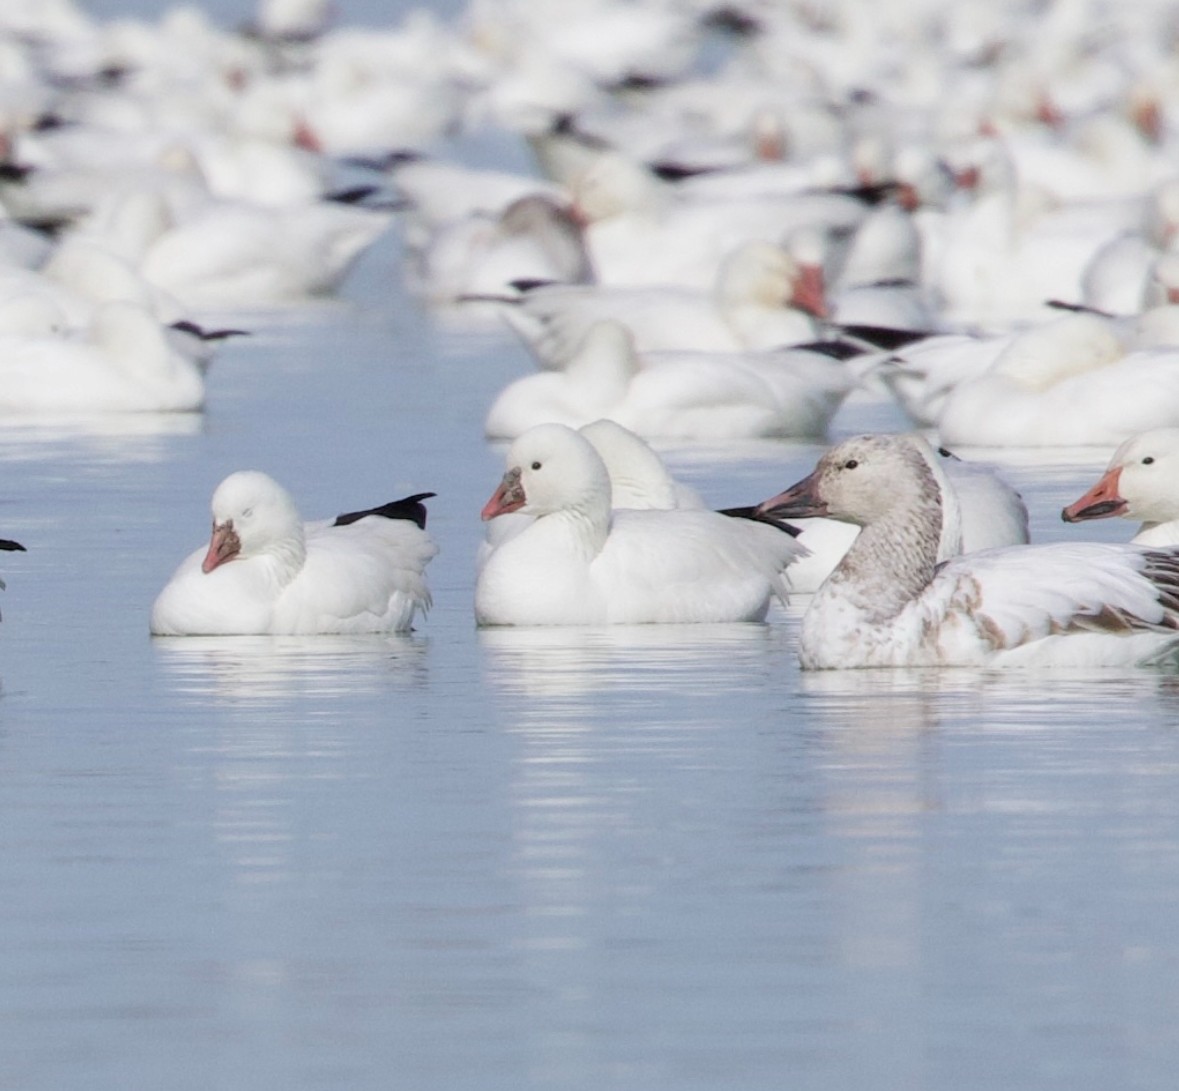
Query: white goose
x=764, y=296
x=1037, y=394
x=685, y=395
x=640, y=231
x=123, y=362
x=265, y=571
x=638, y=479
x=580, y=563
x=890, y=603
x=1140, y=484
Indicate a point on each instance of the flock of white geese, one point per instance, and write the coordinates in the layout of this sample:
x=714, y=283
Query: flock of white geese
x=741, y=212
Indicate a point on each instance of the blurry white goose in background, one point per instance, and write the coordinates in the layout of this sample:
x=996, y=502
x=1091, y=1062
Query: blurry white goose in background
x=1117, y=277
x=681, y=395
x=763, y=298
x=488, y=255
x=122, y=361
x=890, y=603
x=639, y=231
x=266, y=571
x=579, y=563
x=1066, y=383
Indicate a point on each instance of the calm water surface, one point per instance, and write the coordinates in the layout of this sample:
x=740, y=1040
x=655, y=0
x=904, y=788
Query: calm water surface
x=655, y=858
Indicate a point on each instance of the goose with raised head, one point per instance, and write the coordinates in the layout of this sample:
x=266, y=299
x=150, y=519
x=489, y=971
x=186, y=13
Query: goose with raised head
x=1140, y=483
x=582, y=563
x=891, y=601
x=266, y=572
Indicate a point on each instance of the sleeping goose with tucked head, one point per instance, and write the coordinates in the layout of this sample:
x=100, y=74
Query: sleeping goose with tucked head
x=265, y=571
x=1140, y=483
x=580, y=563
x=890, y=603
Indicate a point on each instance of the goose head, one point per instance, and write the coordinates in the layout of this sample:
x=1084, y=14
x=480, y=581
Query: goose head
x=767, y=275
x=865, y=480
x=1139, y=482
x=252, y=515
x=550, y=469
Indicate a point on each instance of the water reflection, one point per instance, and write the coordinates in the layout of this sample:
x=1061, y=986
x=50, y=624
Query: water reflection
x=276, y=669
x=114, y=436
x=640, y=660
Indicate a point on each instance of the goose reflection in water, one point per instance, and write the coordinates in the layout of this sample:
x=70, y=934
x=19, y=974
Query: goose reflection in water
x=644, y=664
x=253, y=669
x=121, y=437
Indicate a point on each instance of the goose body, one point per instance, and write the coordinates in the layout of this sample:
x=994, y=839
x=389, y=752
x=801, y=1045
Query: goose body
x=265, y=571
x=1083, y=389
x=123, y=362
x=889, y=603
x=582, y=563
x=764, y=297
x=683, y=395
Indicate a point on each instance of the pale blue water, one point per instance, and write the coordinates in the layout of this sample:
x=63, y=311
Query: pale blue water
x=640, y=859
x=653, y=858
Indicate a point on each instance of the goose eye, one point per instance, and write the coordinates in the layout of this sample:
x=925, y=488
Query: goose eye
x=1148, y=460
x=850, y=464
x=536, y=465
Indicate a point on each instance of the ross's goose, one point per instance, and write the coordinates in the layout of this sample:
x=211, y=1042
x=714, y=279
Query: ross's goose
x=889, y=603
x=488, y=254
x=685, y=395
x=638, y=479
x=639, y=231
x=579, y=563
x=1066, y=383
x=265, y=571
x=123, y=362
x=764, y=297
x=1139, y=484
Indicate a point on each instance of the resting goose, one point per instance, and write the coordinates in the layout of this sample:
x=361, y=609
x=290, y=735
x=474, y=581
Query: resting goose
x=1069, y=383
x=764, y=296
x=1139, y=483
x=579, y=563
x=889, y=603
x=265, y=571
x=686, y=395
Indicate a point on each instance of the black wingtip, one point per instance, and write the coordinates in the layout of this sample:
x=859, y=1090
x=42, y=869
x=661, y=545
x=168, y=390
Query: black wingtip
x=11, y=546
x=883, y=337
x=836, y=350
x=184, y=325
x=410, y=508
x=754, y=516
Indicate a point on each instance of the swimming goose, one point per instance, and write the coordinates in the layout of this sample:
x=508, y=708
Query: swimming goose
x=765, y=296
x=889, y=603
x=991, y=513
x=685, y=395
x=265, y=571
x=580, y=563
x=1068, y=382
x=1140, y=484
x=123, y=362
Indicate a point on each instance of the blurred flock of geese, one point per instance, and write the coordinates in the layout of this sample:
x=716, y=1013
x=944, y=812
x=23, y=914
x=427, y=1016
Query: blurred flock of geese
x=742, y=211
